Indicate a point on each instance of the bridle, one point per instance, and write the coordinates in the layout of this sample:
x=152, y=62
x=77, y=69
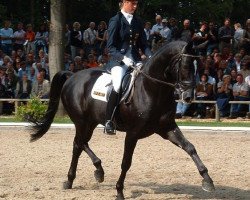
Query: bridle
x=177, y=59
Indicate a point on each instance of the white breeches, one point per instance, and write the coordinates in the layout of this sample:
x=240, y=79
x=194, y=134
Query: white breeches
x=117, y=73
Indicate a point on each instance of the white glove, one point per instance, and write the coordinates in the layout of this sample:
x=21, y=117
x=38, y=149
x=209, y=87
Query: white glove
x=127, y=61
x=139, y=65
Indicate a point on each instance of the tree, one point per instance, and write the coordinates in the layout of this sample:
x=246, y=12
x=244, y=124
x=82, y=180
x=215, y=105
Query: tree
x=56, y=39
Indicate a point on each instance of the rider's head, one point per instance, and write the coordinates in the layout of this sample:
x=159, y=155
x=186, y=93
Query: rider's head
x=128, y=6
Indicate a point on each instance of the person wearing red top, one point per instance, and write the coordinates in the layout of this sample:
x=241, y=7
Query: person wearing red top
x=29, y=37
x=91, y=61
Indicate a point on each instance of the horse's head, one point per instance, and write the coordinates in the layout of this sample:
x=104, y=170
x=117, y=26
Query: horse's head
x=182, y=71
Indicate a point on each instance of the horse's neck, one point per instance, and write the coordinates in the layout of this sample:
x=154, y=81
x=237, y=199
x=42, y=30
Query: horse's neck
x=156, y=67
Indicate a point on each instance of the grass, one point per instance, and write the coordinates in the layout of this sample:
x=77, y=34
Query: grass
x=186, y=122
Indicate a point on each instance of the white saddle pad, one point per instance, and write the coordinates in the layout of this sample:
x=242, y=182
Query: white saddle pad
x=101, y=86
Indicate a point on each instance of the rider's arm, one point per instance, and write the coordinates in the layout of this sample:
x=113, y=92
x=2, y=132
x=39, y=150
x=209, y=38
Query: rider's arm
x=112, y=43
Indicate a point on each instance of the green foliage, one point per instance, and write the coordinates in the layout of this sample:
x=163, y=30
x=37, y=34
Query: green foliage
x=85, y=11
x=34, y=108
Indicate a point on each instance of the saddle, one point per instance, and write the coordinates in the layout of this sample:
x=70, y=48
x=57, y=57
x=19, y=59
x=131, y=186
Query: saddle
x=103, y=85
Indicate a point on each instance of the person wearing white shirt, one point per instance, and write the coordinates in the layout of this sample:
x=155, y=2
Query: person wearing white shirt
x=165, y=31
x=156, y=32
x=19, y=37
x=6, y=35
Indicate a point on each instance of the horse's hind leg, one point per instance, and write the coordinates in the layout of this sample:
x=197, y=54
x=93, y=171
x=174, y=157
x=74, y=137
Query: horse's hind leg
x=83, y=135
x=178, y=139
x=77, y=150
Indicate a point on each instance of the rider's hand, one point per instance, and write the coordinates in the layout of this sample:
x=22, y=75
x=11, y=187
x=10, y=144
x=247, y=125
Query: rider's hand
x=127, y=61
x=139, y=65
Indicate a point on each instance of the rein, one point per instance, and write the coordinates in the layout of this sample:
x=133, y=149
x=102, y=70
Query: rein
x=139, y=71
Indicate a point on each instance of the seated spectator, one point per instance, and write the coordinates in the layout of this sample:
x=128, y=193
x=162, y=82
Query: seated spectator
x=103, y=60
x=245, y=71
x=247, y=80
x=10, y=68
x=182, y=107
x=23, y=88
x=20, y=54
x=6, y=60
x=44, y=73
x=219, y=76
x=1, y=56
x=12, y=80
x=204, y=91
x=92, y=61
x=217, y=59
x=225, y=53
x=233, y=75
x=23, y=70
x=67, y=61
x=78, y=64
x=13, y=55
x=33, y=74
x=82, y=54
x=240, y=93
x=237, y=62
x=223, y=66
x=209, y=64
x=211, y=80
x=71, y=67
x=41, y=87
x=224, y=94
x=3, y=81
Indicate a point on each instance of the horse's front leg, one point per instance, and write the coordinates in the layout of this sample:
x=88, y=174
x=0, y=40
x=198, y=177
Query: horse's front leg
x=129, y=147
x=178, y=139
x=99, y=172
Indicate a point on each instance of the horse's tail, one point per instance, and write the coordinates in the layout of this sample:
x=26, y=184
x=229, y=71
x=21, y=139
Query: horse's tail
x=42, y=126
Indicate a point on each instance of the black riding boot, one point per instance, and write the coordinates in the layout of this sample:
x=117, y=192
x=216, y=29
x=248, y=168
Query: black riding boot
x=111, y=106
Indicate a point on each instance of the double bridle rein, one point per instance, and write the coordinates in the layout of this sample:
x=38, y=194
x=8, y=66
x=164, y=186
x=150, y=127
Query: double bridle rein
x=178, y=59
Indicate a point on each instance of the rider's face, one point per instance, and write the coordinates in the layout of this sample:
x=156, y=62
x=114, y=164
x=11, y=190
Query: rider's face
x=129, y=6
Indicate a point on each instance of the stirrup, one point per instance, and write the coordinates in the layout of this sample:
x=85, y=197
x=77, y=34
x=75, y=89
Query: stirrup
x=110, y=128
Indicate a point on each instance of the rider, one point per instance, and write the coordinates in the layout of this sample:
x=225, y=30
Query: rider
x=125, y=37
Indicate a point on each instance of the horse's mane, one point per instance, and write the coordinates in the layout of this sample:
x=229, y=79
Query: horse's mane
x=171, y=48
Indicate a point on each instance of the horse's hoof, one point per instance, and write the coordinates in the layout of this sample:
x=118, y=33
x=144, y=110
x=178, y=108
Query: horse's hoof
x=120, y=197
x=208, y=186
x=67, y=185
x=99, y=176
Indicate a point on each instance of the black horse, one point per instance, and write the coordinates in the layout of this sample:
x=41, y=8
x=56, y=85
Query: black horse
x=151, y=109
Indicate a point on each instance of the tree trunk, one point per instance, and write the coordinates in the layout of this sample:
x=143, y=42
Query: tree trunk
x=56, y=40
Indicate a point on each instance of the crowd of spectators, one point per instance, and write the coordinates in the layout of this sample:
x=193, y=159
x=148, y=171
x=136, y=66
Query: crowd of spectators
x=223, y=72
